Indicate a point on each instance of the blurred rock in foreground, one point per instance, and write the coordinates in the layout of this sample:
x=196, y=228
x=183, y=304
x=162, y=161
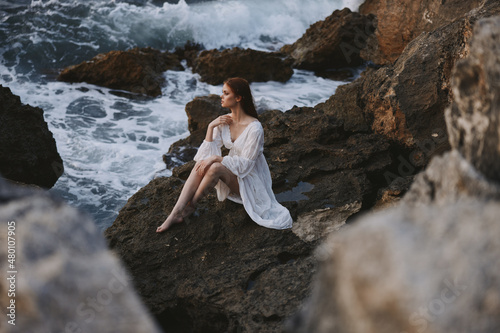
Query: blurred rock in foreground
x=67, y=280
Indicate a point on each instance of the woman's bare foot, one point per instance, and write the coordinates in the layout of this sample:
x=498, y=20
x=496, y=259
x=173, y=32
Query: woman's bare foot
x=171, y=219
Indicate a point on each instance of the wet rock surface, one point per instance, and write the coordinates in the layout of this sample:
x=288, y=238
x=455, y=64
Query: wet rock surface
x=139, y=70
x=28, y=152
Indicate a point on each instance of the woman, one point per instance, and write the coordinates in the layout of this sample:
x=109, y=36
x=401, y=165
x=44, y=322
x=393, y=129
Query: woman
x=243, y=176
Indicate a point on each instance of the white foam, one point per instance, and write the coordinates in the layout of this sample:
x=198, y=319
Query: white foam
x=112, y=146
x=214, y=24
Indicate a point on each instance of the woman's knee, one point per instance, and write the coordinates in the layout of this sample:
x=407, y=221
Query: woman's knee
x=215, y=169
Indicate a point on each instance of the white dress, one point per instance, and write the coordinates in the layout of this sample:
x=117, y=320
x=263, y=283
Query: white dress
x=247, y=162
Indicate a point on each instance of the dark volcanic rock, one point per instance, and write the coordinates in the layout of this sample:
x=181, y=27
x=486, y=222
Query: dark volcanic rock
x=308, y=145
x=189, y=52
x=255, y=66
x=222, y=272
x=333, y=43
x=137, y=70
x=28, y=152
x=389, y=196
x=400, y=21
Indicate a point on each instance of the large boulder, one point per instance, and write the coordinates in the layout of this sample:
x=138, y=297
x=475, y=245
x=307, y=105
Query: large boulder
x=409, y=269
x=219, y=273
x=28, y=152
x=223, y=272
x=58, y=274
x=333, y=43
x=400, y=21
x=431, y=263
x=139, y=70
x=216, y=66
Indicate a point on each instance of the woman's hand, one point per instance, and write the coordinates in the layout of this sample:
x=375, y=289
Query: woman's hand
x=222, y=120
x=201, y=167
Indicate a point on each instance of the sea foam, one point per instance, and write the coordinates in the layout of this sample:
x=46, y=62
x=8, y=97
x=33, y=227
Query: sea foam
x=112, y=145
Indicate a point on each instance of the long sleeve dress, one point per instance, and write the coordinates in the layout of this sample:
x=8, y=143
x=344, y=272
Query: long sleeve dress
x=247, y=162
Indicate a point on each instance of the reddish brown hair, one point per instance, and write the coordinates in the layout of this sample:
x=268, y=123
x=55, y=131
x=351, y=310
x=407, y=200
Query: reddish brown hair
x=240, y=87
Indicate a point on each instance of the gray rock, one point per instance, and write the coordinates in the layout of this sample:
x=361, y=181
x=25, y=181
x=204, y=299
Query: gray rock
x=409, y=269
x=316, y=225
x=474, y=117
x=448, y=179
x=66, y=280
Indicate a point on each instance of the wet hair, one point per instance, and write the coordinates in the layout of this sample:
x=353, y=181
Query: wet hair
x=240, y=87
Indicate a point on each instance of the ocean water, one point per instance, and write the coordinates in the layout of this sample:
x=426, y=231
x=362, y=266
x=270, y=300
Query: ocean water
x=111, y=145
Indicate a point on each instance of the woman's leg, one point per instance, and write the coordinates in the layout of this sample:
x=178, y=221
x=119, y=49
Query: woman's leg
x=216, y=172
x=195, y=188
x=187, y=193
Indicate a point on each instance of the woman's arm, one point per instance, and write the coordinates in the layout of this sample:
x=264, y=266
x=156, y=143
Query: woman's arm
x=202, y=165
x=222, y=120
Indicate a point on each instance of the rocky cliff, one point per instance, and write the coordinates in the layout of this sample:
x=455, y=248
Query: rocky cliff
x=401, y=21
x=431, y=263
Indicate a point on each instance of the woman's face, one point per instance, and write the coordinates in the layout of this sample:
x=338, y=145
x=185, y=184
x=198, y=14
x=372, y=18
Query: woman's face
x=228, y=98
